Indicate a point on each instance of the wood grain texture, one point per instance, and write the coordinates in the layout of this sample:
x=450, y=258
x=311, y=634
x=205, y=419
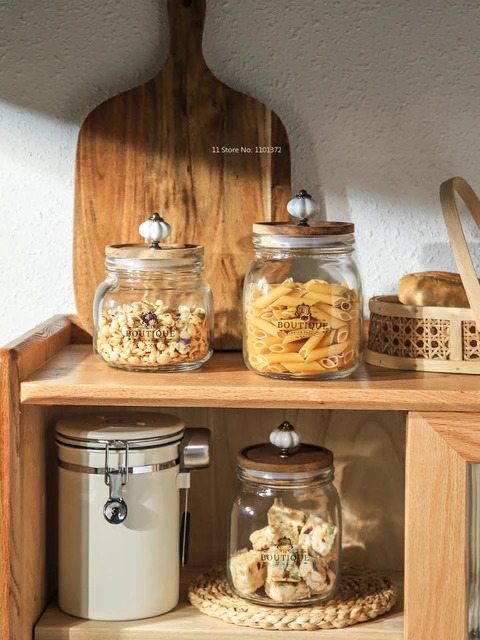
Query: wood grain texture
x=76, y=377
x=24, y=443
x=150, y=149
x=186, y=623
x=436, y=534
x=460, y=430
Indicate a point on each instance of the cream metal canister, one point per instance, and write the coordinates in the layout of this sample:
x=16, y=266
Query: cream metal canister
x=119, y=512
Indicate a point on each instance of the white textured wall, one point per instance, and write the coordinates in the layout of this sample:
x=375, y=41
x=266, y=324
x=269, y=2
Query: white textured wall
x=381, y=100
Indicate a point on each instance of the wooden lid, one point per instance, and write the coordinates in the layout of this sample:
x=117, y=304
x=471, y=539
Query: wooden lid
x=320, y=228
x=266, y=457
x=146, y=252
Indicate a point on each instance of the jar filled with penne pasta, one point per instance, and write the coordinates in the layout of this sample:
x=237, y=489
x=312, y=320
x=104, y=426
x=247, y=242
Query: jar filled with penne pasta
x=284, y=542
x=303, y=310
x=154, y=311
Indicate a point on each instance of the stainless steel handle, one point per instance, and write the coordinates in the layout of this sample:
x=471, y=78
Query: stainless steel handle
x=196, y=449
x=115, y=509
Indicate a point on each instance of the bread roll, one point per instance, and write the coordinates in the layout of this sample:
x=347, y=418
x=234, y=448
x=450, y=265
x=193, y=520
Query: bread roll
x=432, y=289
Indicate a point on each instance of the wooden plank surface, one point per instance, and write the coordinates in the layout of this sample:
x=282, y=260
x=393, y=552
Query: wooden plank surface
x=186, y=623
x=151, y=149
x=26, y=467
x=75, y=377
x=436, y=535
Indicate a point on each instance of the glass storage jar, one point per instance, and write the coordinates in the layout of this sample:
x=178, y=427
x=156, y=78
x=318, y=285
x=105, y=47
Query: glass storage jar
x=303, y=308
x=154, y=311
x=285, y=524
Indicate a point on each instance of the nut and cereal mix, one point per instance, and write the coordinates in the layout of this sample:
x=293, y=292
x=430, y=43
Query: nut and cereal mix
x=150, y=334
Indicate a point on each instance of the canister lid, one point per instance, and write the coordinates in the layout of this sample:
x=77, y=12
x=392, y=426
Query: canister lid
x=285, y=454
x=303, y=207
x=154, y=230
x=314, y=228
x=142, y=430
x=162, y=252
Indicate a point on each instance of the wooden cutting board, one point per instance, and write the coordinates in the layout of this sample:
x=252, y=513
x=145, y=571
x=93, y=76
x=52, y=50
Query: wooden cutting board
x=153, y=149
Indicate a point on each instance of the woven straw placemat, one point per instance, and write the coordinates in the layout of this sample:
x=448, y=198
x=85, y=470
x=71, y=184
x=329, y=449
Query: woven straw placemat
x=362, y=595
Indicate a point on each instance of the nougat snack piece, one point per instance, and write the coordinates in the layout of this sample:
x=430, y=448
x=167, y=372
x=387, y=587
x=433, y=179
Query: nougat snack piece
x=263, y=539
x=316, y=574
x=287, y=591
x=248, y=571
x=286, y=522
x=283, y=563
x=317, y=537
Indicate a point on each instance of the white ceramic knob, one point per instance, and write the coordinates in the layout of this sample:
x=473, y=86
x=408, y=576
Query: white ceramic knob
x=285, y=437
x=155, y=229
x=303, y=206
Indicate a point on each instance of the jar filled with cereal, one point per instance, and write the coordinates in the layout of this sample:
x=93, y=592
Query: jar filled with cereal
x=154, y=311
x=285, y=525
x=303, y=310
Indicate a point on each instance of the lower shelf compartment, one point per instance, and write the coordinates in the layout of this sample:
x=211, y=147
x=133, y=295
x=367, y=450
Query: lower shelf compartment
x=187, y=623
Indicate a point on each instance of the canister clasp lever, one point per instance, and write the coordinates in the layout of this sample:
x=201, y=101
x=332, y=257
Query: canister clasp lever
x=115, y=509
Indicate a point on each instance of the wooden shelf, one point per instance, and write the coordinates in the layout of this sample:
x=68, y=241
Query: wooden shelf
x=186, y=623
x=74, y=376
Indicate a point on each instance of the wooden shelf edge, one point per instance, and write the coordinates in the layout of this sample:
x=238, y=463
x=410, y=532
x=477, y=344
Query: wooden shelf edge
x=76, y=377
x=188, y=623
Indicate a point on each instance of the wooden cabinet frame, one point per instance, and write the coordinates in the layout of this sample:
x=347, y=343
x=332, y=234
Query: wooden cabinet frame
x=440, y=447
x=52, y=365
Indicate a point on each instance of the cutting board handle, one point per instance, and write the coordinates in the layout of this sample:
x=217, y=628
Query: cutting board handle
x=186, y=19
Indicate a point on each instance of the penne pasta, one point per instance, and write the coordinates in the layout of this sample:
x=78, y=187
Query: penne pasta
x=309, y=345
x=273, y=358
x=342, y=333
x=303, y=367
x=320, y=286
x=329, y=363
x=254, y=351
x=267, y=327
x=349, y=356
x=287, y=348
x=334, y=312
x=293, y=338
x=324, y=298
x=319, y=314
x=301, y=329
x=277, y=368
x=324, y=352
x=265, y=343
x=327, y=339
x=269, y=315
x=272, y=296
x=290, y=301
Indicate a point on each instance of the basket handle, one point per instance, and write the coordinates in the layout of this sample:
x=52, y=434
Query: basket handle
x=457, y=236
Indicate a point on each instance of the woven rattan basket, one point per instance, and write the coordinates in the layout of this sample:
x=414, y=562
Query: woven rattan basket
x=442, y=339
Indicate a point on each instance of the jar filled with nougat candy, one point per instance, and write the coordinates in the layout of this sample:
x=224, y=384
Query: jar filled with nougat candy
x=303, y=310
x=154, y=311
x=285, y=525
